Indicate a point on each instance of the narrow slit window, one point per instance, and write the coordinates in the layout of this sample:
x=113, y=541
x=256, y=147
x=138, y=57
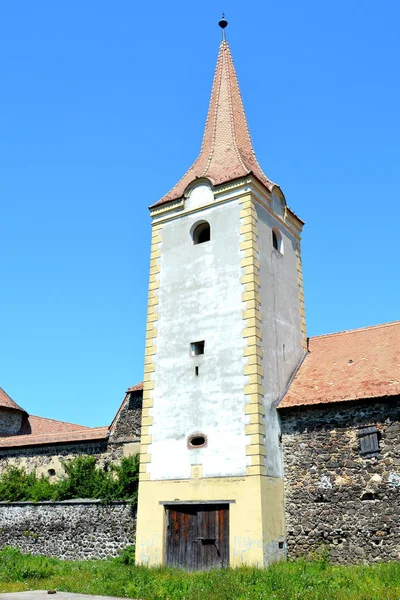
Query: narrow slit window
x=196, y=371
x=277, y=242
x=197, y=348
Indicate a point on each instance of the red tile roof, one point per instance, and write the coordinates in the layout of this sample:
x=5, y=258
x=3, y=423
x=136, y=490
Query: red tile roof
x=349, y=365
x=226, y=152
x=7, y=402
x=136, y=388
x=41, y=425
x=78, y=435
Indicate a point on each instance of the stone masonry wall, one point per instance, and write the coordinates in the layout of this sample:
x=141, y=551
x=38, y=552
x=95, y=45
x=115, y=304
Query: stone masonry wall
x=43, y=458
x=127, y=423
x=124, y=441
x=336, y=498
x=10, y=421
x=74, y=529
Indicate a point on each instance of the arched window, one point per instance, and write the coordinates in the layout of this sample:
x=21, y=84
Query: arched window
x=274, y=240
x=201, y=233
x=277, y=242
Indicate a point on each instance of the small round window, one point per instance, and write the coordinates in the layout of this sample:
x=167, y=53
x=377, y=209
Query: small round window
x=197, y=440
x=201, y=233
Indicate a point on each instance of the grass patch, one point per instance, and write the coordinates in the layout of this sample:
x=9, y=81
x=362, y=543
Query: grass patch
x=308, y=580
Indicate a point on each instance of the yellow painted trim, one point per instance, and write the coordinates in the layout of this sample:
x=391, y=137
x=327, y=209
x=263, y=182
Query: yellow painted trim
x=301, y=298
x=249, y=261
x=256, y=449
x=252, y=278
x=250, y=244
x=254, y=379
x=250, y=236
x=148, y=403
x=256, y=470
x=254, y=399
x=255, y=428
x=254, y=369
x=254, y=408
x=252, y=332
x=150, y=350
x=256, y=439
x=145, y=440
x=256, y=514
x=254, y=419
x=254, y=359
x=255, y=349
x=251, y=296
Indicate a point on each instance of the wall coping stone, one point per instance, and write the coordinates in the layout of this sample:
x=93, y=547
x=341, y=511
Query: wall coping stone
x=73, y=501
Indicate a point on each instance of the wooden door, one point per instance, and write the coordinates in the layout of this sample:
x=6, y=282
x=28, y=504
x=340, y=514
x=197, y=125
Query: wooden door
x=198, y=536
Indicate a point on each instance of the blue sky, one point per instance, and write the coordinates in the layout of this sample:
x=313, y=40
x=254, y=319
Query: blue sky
x=102, y=109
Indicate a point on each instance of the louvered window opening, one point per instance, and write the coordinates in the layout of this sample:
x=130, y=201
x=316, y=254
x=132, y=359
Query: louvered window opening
x=369, y=441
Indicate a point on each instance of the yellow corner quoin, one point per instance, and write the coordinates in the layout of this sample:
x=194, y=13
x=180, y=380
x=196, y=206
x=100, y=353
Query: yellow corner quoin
x=252, y=500
x=301, y=297
x=252, y=335
x=150, y=351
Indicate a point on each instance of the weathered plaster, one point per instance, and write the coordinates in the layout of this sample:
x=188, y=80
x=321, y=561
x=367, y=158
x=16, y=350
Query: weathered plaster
x=199, y=298
x=280, y=324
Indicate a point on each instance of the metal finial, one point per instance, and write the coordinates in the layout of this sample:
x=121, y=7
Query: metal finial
x=223, y=23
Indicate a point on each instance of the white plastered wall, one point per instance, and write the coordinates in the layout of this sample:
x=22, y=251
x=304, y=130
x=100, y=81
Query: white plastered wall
x=199, y=299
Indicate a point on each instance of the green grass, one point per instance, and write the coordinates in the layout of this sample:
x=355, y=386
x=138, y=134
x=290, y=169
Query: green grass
x=308, y=580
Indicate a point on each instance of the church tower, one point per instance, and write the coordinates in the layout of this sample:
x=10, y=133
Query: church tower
x=225, y=333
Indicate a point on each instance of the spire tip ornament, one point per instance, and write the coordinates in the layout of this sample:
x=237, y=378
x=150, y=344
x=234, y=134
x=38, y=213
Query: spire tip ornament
x=223, y=23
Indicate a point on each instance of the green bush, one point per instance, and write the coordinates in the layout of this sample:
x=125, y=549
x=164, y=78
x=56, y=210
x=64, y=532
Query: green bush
x=82, y=479
x=127, y=556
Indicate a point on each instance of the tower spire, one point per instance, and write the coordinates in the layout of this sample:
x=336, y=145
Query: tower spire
x=226, y=151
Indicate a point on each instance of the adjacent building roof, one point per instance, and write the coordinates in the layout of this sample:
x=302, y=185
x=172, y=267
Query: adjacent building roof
x=58, y=437
x=136, y=388
x=226, y=152
x=350, y=365
x=7, y=402
x=43, y=426
x=39, y=430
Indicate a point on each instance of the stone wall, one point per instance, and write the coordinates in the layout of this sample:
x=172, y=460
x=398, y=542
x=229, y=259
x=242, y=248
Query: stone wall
x=336, y=497
x=10, y=421
x=47, y=459
x=74, y=529
x=127, y=423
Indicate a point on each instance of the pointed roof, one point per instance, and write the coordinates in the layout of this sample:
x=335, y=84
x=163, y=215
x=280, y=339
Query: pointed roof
x=7, y=402
x=226, y=152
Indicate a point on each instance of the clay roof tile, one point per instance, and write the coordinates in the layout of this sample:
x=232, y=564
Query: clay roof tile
x=7, y=402
x=349, y=365
x=226, y=152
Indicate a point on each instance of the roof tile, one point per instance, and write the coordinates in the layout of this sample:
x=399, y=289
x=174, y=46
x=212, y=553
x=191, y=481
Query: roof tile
x=7, y=402
x=226, y=152
x=350, y=365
